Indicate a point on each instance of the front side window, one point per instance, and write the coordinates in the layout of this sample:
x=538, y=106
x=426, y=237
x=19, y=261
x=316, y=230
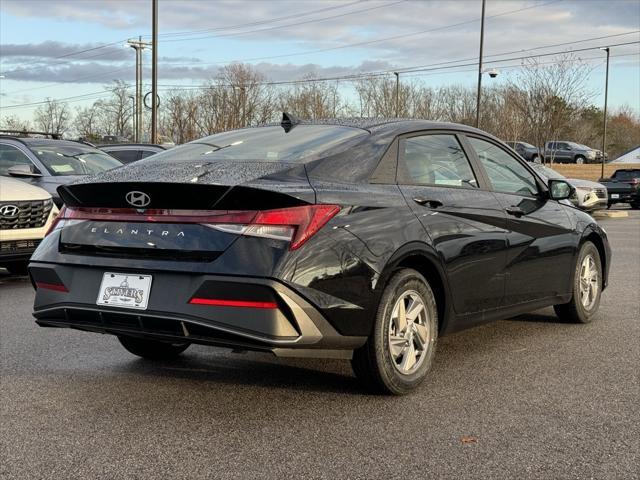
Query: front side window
x=10, y=157
x=506, y=173
x=437, y=160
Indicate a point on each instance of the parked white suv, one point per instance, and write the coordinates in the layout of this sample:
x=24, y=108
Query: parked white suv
x=26, y=212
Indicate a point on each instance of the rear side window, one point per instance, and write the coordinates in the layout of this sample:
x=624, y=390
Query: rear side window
x=125, y=156
x=146, y=153
x=506, y=173
x=11, y=157
x=437, y=160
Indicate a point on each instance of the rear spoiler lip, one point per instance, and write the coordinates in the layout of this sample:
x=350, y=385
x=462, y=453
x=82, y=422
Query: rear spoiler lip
x=202, y=196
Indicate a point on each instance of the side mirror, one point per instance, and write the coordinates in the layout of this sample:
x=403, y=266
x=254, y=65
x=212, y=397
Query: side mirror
x=23, y=170
x=560, y=190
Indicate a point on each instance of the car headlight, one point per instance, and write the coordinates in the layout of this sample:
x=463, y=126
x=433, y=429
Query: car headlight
x=591, y=154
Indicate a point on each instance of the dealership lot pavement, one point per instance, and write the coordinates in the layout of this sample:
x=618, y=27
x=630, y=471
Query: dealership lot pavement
x=523, y=398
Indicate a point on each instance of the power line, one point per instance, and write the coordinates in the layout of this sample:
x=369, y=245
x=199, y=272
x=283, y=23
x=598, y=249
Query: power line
x=260, y=22
x=278, y=27
x=103, y=94
x=371, y=42
x=356, y=76
x=423, y=68
x=68, y=55
x=98, y=47
x=342, y=46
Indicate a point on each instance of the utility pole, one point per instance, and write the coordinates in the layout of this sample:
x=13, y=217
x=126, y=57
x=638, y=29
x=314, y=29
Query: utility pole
x=480, y=67
x=606, y=94
x=134, y=120
x=154, y=74
x=138, y=46
x=397, y=74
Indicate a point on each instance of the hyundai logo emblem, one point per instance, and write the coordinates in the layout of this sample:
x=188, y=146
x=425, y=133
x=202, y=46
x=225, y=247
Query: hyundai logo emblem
x=9, y=211
x=138, y=199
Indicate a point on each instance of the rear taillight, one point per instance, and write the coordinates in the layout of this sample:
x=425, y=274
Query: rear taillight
x=295, y=224
x=56, y=221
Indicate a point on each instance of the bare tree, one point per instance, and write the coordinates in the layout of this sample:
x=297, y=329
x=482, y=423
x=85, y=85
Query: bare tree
x=311, y=99
x=87, y=122
x=115, y=113
x=550, y=95
x=53, y=116
x=13, y=122
x=179, y=120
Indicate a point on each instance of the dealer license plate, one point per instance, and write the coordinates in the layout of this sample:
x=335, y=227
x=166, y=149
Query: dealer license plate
x=615, y=195
x=124, y=290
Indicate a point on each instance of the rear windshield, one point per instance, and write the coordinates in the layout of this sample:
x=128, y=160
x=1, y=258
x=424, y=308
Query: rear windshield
x=63, y=160
x=626, y=174
x=265, y=144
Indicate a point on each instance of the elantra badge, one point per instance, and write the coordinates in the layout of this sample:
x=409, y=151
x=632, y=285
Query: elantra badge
x=138, y=199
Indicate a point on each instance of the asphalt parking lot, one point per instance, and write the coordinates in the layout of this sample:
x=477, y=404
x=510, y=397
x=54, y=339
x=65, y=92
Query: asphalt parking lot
x=527, y=397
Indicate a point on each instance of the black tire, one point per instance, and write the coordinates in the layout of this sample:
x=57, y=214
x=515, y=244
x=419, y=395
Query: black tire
x=373, y=363
x=635, y=205
x=579, y=159
x=534, y=158
x=575, y=311
x=152, y=349
x=17, y=268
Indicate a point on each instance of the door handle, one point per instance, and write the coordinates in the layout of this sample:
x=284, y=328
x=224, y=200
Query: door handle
x=426, y=202
x=513, y=210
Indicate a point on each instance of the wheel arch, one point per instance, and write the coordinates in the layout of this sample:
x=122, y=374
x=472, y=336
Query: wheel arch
x=591, y=236
x=425, y=260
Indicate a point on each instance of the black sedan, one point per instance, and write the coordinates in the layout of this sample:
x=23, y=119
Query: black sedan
x=363, y=240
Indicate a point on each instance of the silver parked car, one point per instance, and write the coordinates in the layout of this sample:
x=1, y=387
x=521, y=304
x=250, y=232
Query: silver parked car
x=588, y=196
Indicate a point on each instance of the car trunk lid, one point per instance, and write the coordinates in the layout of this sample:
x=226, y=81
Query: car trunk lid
x=177, y=212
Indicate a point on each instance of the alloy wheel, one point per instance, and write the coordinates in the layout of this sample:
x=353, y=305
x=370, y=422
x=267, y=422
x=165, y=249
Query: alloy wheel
x=589, y=282
x=410, y=333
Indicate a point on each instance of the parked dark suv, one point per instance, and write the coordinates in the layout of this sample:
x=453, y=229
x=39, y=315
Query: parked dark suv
x=570, y=152
x=49, y=163
x=354, y=239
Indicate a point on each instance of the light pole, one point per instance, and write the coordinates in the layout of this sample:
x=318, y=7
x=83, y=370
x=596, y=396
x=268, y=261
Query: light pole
x=138, y=46
x=480, y=66
x=397, y=74
x=154, y=73
x=606, y=94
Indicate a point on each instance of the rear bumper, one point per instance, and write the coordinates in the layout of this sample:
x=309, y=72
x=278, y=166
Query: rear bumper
x=623, y=197
x=295, y=328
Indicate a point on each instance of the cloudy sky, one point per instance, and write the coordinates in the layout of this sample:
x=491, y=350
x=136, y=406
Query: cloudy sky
x=69, y=49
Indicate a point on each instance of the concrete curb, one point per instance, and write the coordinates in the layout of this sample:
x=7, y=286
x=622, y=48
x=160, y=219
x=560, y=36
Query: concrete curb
x=610, y=214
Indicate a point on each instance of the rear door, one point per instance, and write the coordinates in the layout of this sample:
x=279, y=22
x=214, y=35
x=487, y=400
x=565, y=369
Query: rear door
x=541, y=240
x=462, y=219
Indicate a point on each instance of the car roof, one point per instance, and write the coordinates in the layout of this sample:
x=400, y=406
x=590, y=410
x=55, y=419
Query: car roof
x=391, y=125
x=133, y=145
x=40, y=142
